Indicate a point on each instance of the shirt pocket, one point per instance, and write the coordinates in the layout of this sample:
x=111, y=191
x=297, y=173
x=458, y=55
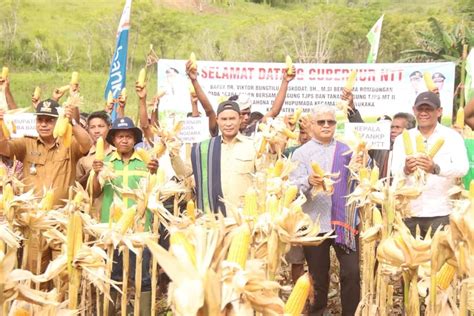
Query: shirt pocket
x=61, y=162
x=244, y=165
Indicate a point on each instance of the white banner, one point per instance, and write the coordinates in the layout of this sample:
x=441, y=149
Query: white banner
x=376, y=135
x=379, y=89
x=195, y=130
x=25, y=124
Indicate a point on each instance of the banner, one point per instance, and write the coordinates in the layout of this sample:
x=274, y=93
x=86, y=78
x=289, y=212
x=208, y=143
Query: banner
x=25, y=124
x=379, y=89
x=376, y=135
x=195, y=130
x=374, y=40
x=118, y=68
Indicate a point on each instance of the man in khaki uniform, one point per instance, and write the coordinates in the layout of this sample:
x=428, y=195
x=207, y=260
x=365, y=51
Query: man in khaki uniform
x=47, y=162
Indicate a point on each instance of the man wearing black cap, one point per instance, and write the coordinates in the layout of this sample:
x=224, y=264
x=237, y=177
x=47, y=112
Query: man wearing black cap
x=223, y=165
x=47, y=162
x=130, y=170
x=432, y=207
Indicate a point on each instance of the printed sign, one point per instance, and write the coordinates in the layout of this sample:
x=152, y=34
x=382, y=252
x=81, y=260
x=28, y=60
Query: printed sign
x=195, y=130
x=25, y=124
x=377, y=135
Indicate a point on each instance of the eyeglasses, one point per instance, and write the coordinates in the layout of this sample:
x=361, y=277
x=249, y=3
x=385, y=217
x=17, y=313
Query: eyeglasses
x=324, y=122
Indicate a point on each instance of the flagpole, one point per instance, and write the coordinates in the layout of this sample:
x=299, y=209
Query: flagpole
x=463, y=75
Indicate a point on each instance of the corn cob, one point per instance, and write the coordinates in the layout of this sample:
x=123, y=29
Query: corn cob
x=67, y=139
x=21, y=312
x=290, y=195
x=161, y=176
x=144, y=155
x=5, y=130
x=74, y=78
x=37, y=93
x=351, y=80
x=289, y=65
x=295, y=304
x=127, y=220
x=193, y=60
x=296, y=115
x=192, y=91
x=445, y=276
x=47, y=201
x=363, y=174
x=60, y=128
x=407, y=143
x=420, y=144
x=74, y=244
x=278, y=169
x=99, y=149
x=436, y=147
x=374, y=175
x=376, y=217
x=178, y=126
x=460, y=118
x=289, y=134
x=317, y=169
x=430, y=85
x=78, y=198
x=141, y=78
x=5, y=72
x=250, y=202
x=64, y=88
x=124, y=93
x=191, y=210
x=178, y=239
x=159, y=149
x=239, y=246
x=115, y=212
x=110, y=97
x=263, y=147
x=272, y=205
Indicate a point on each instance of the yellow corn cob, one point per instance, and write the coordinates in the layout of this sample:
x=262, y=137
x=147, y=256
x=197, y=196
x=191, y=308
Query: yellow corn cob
x=161, y=176
x=192, y=91
x=178, y=126
x=63, y=88
x=263, y=147
x=178, y=239
x=289, y=134
x=127, y=220
x=272, y=205
x=74, y=78
x=471, y=190
x=124, y=93
x=295, y=304
x=363, y=174
x=141, y=78
x=239, y=246
x=99, y=149
x=250, y=202
x=60, y=128
x=376, y=217
x=159, y=149
x=460, y=118
x=110, y=97
x=13, y=127
x=407, y=143
x=290, y=195
x=317, y=169
x=48, y=200
x=296, y=115
x=37, y=93
x=191, y=210
x=278, y=169
x=21, y=312
x=445, y=276
x=192, y=58
x=5, y=130
x=351, y=80
x=67, y=138
x=115, y=212
x=436, y=147
x=5, y=72
x=144, y=155
x=430, y=85
x=374, y=175
x=78, y=198
x=289, y=65
x=74, y=238
x=420, y=144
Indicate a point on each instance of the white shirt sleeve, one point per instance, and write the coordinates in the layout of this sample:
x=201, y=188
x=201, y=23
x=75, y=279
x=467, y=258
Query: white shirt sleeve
x=398, y=156
x=455, y=164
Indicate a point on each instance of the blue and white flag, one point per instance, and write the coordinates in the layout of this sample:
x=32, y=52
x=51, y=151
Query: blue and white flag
x=118, y=67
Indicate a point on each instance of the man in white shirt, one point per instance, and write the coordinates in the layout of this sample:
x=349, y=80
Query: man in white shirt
x=432, y=207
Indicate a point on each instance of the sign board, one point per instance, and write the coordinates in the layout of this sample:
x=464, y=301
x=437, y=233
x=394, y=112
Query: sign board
x=195, y=130
x=377, y=135
x=25, y=124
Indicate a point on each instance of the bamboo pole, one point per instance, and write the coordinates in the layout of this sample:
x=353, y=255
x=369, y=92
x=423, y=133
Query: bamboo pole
x=154, y=268
x=138, y=280
x=39, y=258
x=126, y=265
x=110, y=253
x=463, y=75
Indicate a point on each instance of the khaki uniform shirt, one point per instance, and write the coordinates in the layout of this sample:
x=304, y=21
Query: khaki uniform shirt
x=50, y=167
x=238, y=163
x=84, y=166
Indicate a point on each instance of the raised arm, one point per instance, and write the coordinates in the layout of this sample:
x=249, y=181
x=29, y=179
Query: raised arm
x=281, y=95
x=79, y=133
x=8, y=94
x=142, y=112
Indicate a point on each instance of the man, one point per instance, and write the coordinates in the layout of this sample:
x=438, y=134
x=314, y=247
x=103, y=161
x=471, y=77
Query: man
x=47, y=162
x=130, y=171
x=416, y=80
x=432, y=207
x=331, y=210
x=438, y=79
x=98, y=125
x=401, y=121
x=223, y=165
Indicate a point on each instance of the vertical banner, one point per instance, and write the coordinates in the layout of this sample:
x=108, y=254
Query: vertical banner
x=374, y=40
x=118, y=67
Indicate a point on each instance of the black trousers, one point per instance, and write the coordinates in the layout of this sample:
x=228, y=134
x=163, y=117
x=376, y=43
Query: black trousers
x=318, y=259
x=425, y=223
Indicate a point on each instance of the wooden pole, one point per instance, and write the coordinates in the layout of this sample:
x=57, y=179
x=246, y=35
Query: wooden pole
x=138, y=281
x=126, y=265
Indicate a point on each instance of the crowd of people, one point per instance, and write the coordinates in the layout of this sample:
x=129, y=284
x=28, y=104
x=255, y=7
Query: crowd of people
x=222, y=168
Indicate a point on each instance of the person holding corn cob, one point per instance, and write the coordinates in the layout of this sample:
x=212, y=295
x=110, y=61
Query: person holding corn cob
x=440, y=154
x=318, y=159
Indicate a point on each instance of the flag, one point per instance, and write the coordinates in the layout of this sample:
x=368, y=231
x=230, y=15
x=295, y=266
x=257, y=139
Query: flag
x=469, y=82
x=118, y=67
x=374, y=39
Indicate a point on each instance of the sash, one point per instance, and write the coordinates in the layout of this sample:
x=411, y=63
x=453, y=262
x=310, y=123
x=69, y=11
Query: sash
x=206, y=163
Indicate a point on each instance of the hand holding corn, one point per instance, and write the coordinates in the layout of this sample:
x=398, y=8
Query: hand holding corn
x=410, y=165
x=153, y=165
x=315, y=180
x=141, y=91
x=97, y=166
x=349, y=97
x=425, y=163
x=191, y=71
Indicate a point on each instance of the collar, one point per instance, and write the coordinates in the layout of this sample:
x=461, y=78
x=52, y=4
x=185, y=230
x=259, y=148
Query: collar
x=436, y=130
x=55, y=144
x=109, y=149
x=116, y=156
x=239, y=137
x=333, y=141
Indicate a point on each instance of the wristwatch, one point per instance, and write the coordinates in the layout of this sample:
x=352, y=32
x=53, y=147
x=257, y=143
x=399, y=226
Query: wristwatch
x=436, y=169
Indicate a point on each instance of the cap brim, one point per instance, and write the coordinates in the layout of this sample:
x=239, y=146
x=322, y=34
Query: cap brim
x=46, y=114
x=427, y=103
x=138, y=134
